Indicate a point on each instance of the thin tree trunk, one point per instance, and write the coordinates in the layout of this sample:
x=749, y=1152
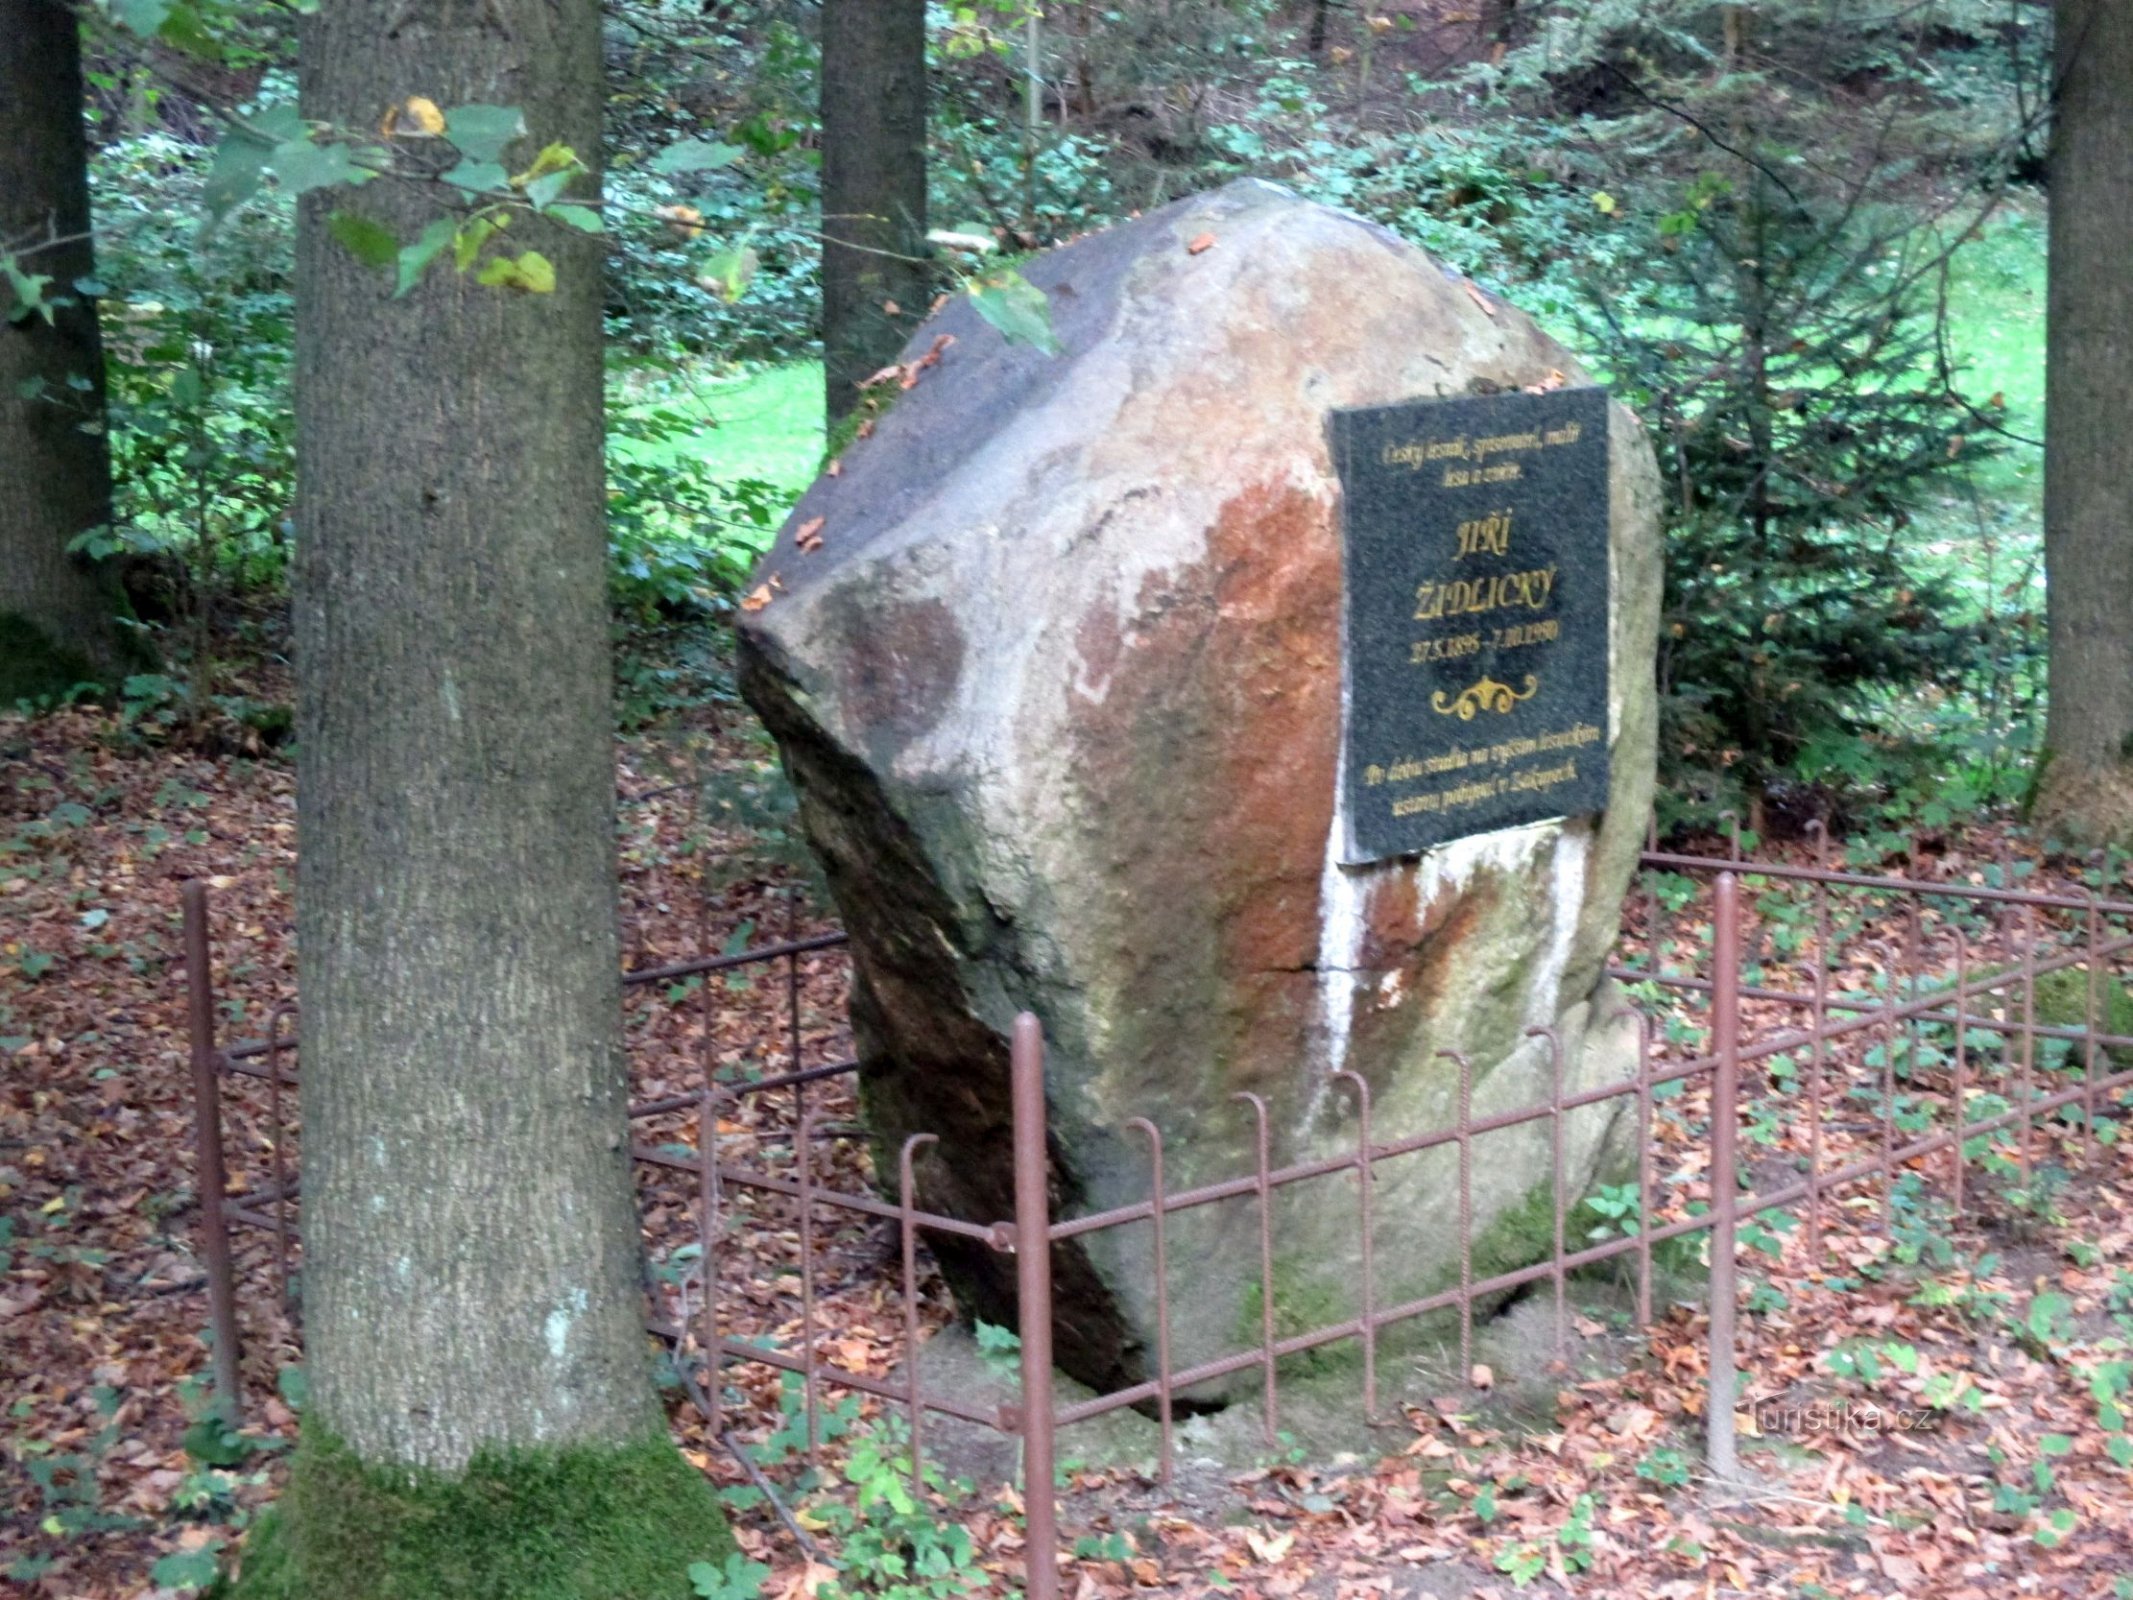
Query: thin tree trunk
x=58, y=612
x=470, y=1238
x=876, y=284
x=1321, y=15
x=2087, y=785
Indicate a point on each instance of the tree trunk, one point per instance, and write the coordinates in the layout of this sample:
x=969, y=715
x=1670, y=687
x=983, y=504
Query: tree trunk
x=2086, y=791
x=876, y=284
x=58, y=612
x=1321, y=15
x=472, y=1256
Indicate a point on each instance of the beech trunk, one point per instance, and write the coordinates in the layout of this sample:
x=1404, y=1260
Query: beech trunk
x=472, y=1275
x=876, y=283
x=58, y=611
x=2086, y=792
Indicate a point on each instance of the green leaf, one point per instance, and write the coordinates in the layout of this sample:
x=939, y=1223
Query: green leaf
x=583, y=218
x=467, y=243
x=237, y=171
x=277, y=124
x=29, y=292
x=1018, y=308
x=144, y=17
x=696, y=155
x=554, y=158
x=481, y=132
x=2056, y=1444
x=188, y=30
x=369, y=242
x=478, y=177
x=213, y=1443
x=529, y=273
x=2057, y=1526
x=301, y=166
x=542, y=191
x=188, y=1569
x=738, y=1579
x=729, y=272
x=294, y=1385
x=2120, y=1449
x=415, y=258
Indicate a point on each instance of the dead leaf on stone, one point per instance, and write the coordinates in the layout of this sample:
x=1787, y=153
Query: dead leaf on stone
x=1483, y=1376
x=836, y=467
x=1201, y=245
x=808, y=536
x=757, y=598
x=1273, y=1551
x=874, y=380
x=1477, y=296
x=1632, y=1422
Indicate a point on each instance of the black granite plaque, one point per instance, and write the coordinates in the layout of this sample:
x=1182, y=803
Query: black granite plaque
x=1476, y=571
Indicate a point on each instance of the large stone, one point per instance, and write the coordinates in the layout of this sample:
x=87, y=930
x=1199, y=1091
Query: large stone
x=1060, y=691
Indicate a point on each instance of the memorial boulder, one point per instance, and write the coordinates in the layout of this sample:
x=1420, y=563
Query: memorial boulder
x=1258, y=690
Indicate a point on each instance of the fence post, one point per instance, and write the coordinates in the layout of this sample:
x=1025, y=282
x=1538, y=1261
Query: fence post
x=207, y=1150
x=1033, y=1279
x=1723, y=1387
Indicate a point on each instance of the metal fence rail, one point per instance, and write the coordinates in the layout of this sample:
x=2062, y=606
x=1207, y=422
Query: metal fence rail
x=1910, y=1051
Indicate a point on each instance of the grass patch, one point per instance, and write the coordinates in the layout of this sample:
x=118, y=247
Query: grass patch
x=766, y=424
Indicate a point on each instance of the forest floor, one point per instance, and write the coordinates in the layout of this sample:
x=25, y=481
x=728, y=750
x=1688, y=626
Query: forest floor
x=2000, y=1330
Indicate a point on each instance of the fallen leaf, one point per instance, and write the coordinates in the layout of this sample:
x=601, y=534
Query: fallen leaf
x=1273, y=1551
x=1482, y=1377
x=757, y=598
x=684, y=222
x=416, y=117
x=1201, y=245
x=808, y=536
x=1477, y=296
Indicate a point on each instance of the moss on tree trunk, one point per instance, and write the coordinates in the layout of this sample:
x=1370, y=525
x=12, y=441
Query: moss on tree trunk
x=581, y=1523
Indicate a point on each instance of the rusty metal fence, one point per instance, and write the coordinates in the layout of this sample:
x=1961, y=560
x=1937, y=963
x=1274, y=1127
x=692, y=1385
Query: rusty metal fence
x=1892, y=1042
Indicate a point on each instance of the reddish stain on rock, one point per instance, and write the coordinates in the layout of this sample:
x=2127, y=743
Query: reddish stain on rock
x=1206, y=764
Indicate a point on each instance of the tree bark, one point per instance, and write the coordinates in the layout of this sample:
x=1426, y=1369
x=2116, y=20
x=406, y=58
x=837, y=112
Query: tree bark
x=2086, y=788
x=472, y=1274
x=58, y=612
x=876, y=284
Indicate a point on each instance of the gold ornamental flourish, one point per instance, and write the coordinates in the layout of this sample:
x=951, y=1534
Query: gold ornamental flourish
x=1487, y=695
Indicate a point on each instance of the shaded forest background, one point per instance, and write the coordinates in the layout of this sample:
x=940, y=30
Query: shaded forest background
x=1805, y=239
